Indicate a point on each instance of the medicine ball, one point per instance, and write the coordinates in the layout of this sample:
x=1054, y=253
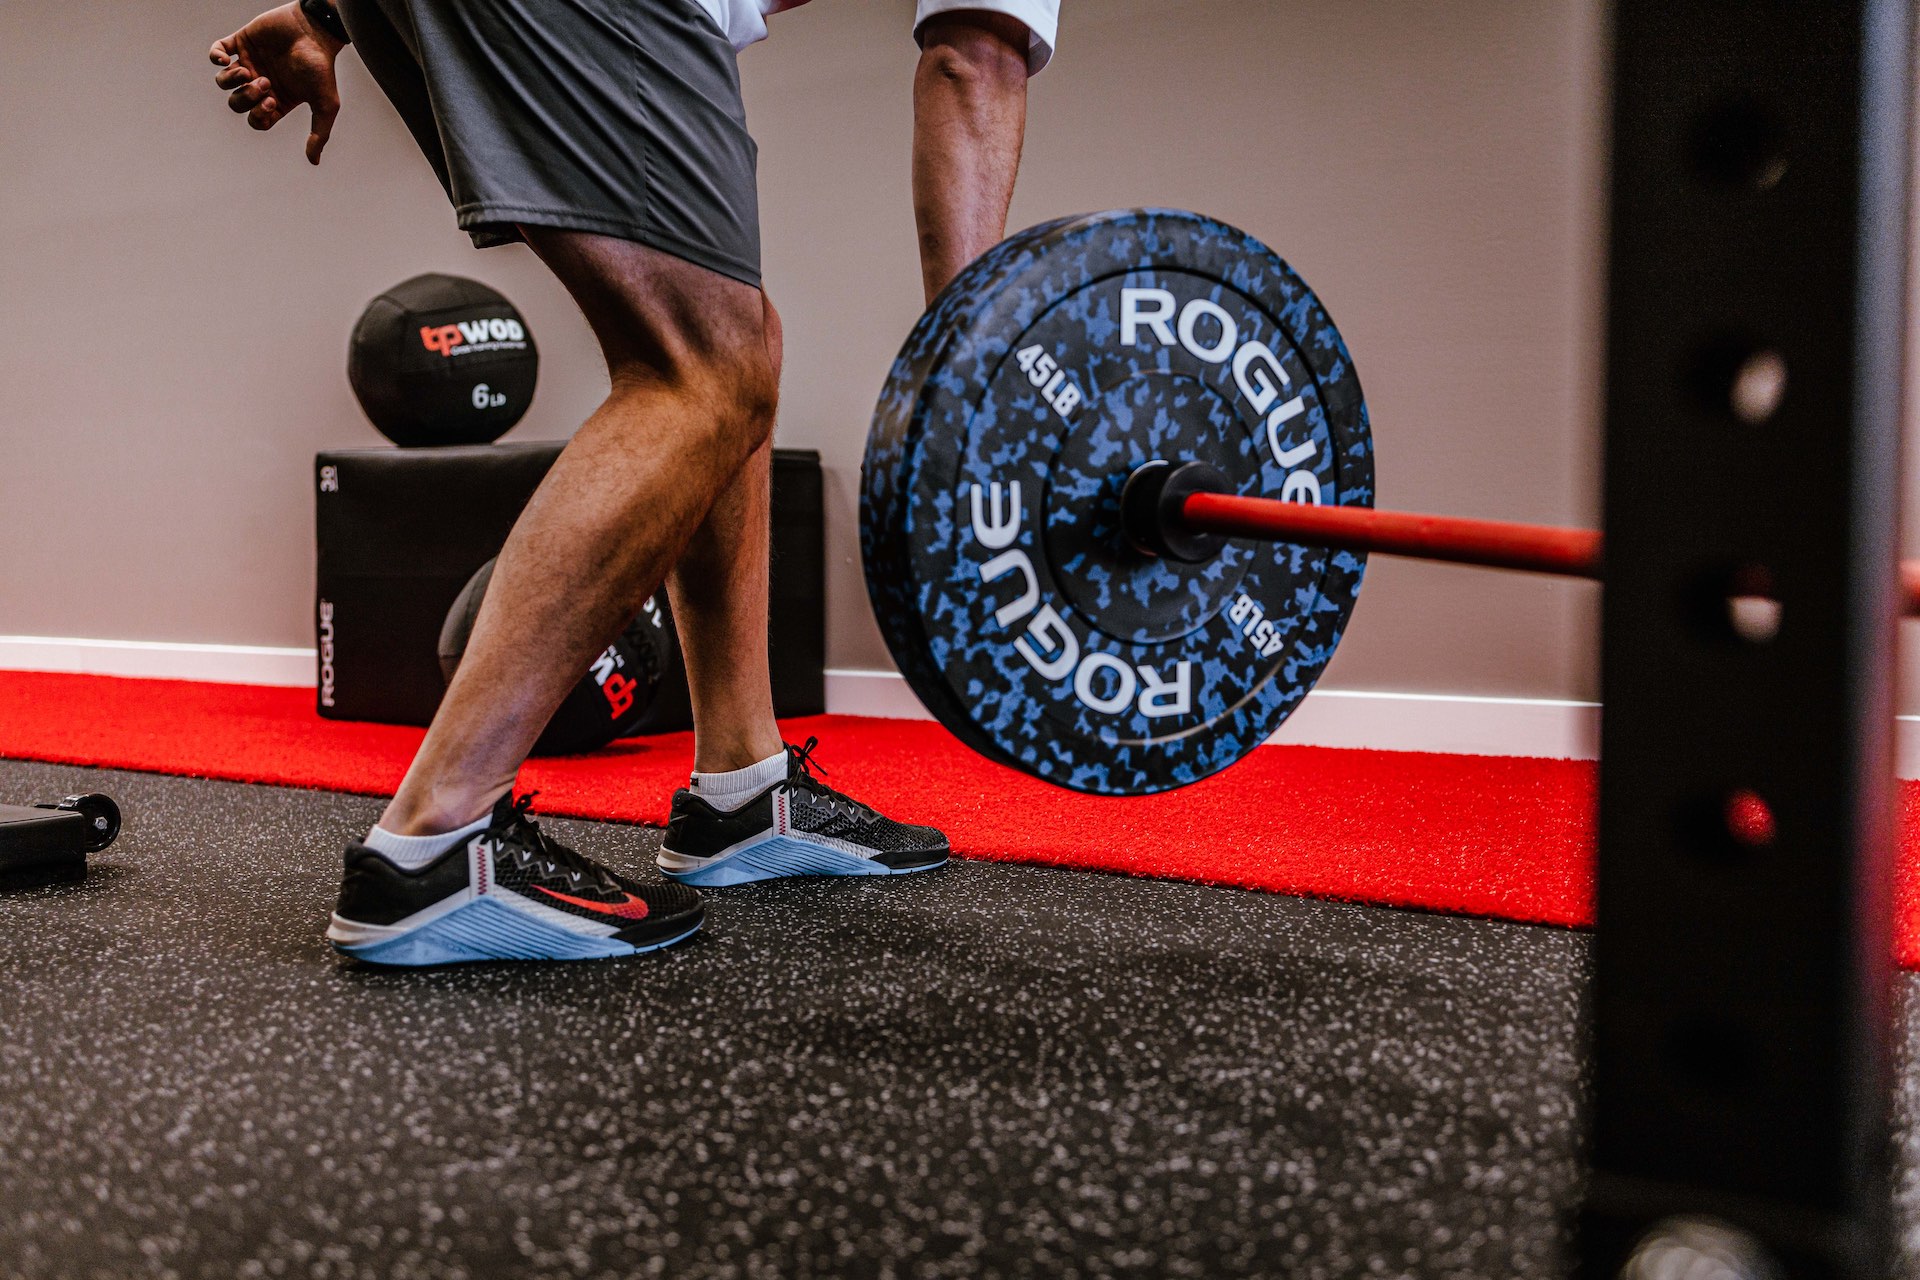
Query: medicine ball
x=612, y=696
x=442, y=360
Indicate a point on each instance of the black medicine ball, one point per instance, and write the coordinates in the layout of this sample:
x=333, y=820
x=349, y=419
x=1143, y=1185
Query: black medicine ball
x=613, y=696
x=442, y=360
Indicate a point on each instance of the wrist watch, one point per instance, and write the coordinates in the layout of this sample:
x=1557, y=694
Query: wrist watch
x=324, y=16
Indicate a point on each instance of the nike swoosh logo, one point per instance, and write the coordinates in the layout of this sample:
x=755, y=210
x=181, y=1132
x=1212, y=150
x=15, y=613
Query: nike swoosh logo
x=632, y=909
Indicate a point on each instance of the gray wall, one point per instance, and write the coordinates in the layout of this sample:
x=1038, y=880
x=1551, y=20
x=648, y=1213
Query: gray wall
x=175, y=291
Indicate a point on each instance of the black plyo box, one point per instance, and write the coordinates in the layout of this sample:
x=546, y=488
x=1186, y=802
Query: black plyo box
x=399, y=532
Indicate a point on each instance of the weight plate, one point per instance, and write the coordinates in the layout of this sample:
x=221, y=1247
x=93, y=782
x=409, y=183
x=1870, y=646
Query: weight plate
x=883, y=545
x=1013, y=416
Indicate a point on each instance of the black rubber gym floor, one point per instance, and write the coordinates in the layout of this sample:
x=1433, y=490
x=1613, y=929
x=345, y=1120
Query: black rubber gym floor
x=992, y=1070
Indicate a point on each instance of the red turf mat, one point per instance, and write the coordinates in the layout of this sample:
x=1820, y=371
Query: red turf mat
x=1490, y=836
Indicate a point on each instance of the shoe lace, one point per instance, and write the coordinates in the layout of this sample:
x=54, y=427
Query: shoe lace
x=554, y=860
x=802, y=757
x=801, y=766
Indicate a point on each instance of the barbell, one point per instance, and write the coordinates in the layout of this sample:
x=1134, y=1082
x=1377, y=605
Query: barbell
x=1117, y=498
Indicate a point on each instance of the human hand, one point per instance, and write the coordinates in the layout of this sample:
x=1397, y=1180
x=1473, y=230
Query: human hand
x=275, y=63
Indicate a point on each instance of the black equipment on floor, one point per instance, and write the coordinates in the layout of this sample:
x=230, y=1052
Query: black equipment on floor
x=612, y=699
x=49, y=843
x=401, y=532
x=440, y=360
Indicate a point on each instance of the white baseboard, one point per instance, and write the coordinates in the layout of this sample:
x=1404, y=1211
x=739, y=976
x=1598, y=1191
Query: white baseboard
x=855, y=692
x=1341, y=718
x=1453, y=724
x=1378, y=720
x=159, y=660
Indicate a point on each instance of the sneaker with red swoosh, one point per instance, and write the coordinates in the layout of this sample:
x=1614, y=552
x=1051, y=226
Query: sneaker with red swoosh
x=509, y=893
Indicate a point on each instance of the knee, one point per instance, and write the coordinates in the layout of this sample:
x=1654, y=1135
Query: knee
x=743, y=385
x=738, y=358
x=727, y=361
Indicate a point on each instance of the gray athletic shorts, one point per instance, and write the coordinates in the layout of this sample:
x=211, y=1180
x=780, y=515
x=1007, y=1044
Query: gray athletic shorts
x=620, y=117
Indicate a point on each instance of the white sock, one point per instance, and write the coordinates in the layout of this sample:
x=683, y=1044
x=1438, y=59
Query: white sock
x=728, y=791
x=410, y=853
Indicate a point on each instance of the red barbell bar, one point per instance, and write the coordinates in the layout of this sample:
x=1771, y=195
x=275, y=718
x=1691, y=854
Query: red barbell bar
x=1176, y=510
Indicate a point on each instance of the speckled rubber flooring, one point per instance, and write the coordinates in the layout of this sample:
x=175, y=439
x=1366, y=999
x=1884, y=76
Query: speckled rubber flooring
x=993, y=1070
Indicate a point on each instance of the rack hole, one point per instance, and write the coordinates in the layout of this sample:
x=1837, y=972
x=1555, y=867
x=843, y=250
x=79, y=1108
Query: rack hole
x=1727, y=826
x=1740, y=144
x=1755, y=619
x=1759, y=385
x=1739, y=379
x=1749, y=605
x=1749, y=818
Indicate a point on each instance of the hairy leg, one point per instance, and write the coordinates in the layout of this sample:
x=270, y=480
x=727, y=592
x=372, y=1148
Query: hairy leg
x=692, y=399
x=719, y=593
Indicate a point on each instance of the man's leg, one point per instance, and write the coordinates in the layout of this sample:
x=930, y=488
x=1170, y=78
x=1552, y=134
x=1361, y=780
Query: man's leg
x=692, y=400
x=454, y=873
x=755, y=811
x=719, y=595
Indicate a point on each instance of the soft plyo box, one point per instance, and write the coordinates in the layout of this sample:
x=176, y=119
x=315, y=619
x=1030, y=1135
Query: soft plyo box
x=400, y=531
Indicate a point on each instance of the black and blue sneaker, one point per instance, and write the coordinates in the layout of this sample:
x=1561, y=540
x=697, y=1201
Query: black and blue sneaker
x=799, y=827
x=509, y=893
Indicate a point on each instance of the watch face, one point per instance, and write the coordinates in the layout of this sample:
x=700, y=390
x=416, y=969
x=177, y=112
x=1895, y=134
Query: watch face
x=325, y=15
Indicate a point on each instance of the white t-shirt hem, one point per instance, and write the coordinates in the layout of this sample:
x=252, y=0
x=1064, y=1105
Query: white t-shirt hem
x=744, y=21
x=1042, y=19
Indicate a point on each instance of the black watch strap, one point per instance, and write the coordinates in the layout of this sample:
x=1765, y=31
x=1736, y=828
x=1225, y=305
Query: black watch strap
x=327, y=18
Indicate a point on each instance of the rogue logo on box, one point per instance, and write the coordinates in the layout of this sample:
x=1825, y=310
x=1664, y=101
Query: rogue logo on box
x=326, y=653
x=473, y=335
